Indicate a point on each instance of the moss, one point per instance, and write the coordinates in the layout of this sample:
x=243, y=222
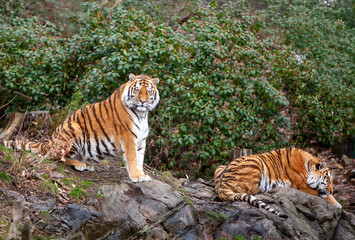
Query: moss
x=5, y=178
x=49, y=186
x=78, y=193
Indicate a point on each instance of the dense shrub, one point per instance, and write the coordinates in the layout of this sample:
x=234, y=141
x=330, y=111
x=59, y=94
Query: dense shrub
x=33, y=69
x=344, y=10
x=214, y=89
x=225, y=80
x=323, y=95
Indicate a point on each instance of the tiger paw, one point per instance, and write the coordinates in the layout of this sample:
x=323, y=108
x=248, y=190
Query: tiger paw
x=90, y=168
x=140, y=178
x=333, y=201
x=83, y=167
x=337, y=205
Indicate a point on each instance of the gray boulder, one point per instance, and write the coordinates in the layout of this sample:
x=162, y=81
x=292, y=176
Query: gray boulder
x=156, y=210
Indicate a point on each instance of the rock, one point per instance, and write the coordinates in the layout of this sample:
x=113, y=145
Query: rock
x=39, y=176
x=338, y=166
x=8, y=194
x=348, y=161
x=193, y=234
x=181, y=221
x=147, y=209
x=199, y=190
x=156, y=210
x=80, y=215
x=45, y=204
x=346, y=227
x=68, y=221
x=57, y=175
x=157, y=233
x=168, y=178
x=352, y=173
x=310, y=217
x=352, y=199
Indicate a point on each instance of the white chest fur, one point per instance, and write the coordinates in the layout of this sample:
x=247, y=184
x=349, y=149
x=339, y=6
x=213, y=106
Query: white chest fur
x=141, y=128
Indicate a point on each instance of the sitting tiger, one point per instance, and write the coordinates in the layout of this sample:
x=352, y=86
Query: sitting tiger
x=288, y=167
x=119, y=123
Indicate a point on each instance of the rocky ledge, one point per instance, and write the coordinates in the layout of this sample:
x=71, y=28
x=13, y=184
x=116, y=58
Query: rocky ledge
x=188, y=210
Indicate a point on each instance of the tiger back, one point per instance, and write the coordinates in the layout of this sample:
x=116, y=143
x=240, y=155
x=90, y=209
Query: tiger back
x=117, y=124
x=288, y=167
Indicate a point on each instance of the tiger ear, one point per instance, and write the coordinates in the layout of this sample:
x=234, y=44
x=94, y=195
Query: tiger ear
x=132, y=77
x=155, y=81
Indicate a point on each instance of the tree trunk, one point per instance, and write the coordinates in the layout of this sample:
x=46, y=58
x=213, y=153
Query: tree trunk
x=16, y=214
x=238, y=152
x=33, y=121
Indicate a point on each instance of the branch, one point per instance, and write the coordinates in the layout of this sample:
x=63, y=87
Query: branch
x=18, y=93
x=16, y=120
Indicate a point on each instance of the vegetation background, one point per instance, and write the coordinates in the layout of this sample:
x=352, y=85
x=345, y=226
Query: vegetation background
x=251, y=74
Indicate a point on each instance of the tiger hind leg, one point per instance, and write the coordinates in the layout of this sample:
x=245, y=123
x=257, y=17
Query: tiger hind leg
x=62, y=150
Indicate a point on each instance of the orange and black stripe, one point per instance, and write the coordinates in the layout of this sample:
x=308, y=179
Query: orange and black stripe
x=288, y=167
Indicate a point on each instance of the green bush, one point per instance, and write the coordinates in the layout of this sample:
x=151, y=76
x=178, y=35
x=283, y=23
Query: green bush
x=214, y=90
x=34, y=70
x=226, y=76
x=323, y=92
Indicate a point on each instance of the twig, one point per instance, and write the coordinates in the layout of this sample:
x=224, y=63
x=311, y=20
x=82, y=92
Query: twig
x=18, y=93
x=23, y=95
x=154, y=171
x=3, y=116
x=7, y=103
x=207, y=183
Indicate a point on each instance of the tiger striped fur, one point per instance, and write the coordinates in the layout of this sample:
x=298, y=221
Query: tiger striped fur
x=119, y=123
x=288, y=167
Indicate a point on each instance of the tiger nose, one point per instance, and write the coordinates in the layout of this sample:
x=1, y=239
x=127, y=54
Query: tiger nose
x=143, y=101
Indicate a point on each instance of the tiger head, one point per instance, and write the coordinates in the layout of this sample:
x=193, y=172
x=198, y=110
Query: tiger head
x=325, y=186
x=320, y=178
x=142, y=94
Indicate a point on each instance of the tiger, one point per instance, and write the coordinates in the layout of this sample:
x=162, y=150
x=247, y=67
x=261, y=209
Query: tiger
x=117, y=124
x=287, y=167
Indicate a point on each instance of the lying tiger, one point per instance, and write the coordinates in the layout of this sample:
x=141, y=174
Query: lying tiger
x=119, y=123
x=288, y=167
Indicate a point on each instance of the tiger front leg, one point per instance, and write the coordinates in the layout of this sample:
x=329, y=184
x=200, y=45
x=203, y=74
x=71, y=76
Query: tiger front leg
x=134, y=155
x=141, y=151
x=333, y=201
